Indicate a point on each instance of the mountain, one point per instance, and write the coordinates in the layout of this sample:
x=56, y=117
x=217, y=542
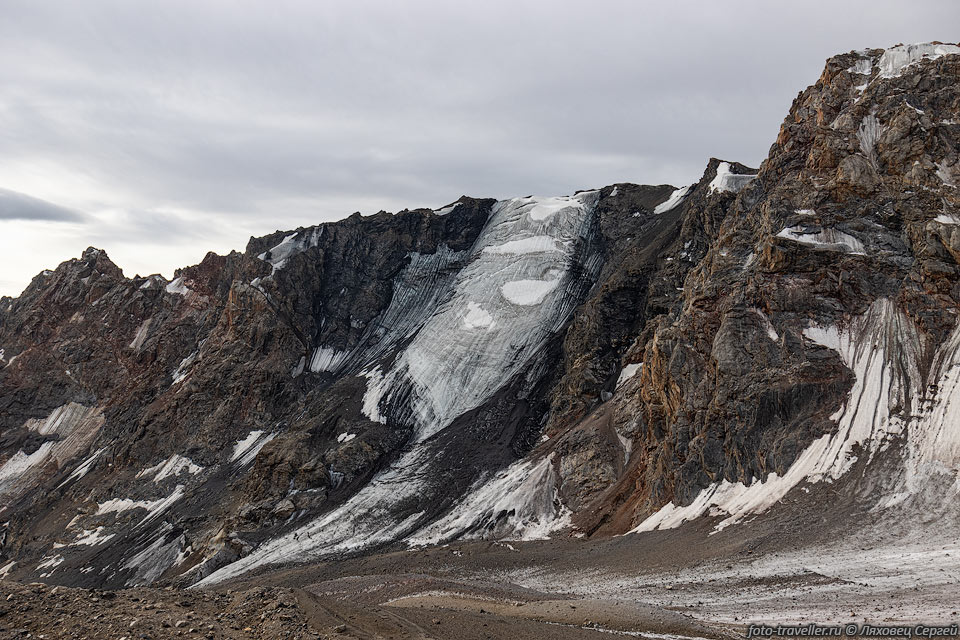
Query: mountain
x=625, y=359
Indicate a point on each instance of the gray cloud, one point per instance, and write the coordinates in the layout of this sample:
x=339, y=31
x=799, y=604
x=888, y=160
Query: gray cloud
x=236, y=118
x=19, y=206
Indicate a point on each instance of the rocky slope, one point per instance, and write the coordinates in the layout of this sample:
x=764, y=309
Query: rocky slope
x=627, y=358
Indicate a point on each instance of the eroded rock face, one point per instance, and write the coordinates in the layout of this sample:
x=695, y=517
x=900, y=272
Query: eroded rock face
x=854, y=205
x=496, y=369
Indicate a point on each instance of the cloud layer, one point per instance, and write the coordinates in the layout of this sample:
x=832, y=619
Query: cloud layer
x=190, y=126
x=19, y=206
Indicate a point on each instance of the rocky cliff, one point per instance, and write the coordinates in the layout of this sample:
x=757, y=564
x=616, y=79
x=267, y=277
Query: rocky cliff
x=626, y=358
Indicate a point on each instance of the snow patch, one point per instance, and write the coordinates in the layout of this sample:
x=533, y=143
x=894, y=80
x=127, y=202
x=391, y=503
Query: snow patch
x=183, y=369
x=153, y=508
x=346, y=437
x=51, y=562
x=178, y=287
x=141, y=335
x=244, y=451
x=376, y=387
x=628, y=372
x=533, y=244
x=447, y=209
x=20, y=463
x=726, y=180
x=945, y=174
x=92, y=537
x=476, y=317
x=674, y=200
x=84, y=467
x=171, y=467
x=528, y=292
x=824, y=238
x=944, y=218
x=291, y=245
x=771, y=331
x=539, y=209
x=298, y=369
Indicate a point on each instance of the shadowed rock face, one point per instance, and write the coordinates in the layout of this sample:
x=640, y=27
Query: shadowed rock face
x=505, y=368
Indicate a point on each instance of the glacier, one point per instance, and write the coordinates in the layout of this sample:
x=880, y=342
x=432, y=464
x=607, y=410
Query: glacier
x=478, y=329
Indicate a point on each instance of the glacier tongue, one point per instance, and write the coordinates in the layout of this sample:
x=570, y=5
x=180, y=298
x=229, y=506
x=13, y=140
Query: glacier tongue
x=473, y=343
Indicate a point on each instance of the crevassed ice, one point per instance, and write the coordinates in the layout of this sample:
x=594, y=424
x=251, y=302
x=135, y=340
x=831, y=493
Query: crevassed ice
x=417, y=290
x=150, y=562
x=895, y=59
x=327, y=359
x=884, y=349
x=868, y=133
x=726, y=180
x=453, y=369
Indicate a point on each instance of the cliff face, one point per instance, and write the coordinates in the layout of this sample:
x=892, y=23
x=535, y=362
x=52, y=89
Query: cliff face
x=633, y=356
x=819, y=328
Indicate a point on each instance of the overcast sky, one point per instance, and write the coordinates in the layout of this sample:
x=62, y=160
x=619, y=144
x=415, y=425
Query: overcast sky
x=161, y=130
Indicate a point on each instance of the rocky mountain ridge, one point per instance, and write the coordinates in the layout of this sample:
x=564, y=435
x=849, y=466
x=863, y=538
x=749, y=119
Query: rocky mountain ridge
x=627, y=358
